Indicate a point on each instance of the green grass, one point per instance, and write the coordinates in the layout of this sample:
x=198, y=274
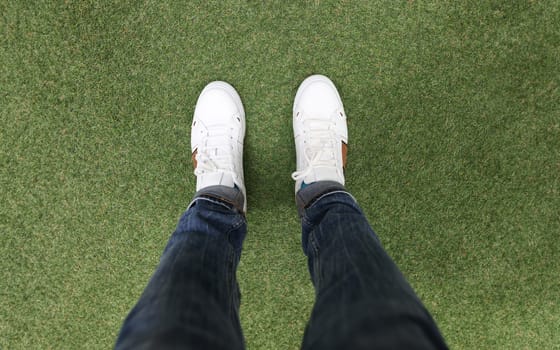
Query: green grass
x=454, y=123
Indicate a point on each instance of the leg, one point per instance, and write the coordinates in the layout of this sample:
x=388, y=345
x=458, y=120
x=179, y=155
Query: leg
x=362, y=299
x=192, y=300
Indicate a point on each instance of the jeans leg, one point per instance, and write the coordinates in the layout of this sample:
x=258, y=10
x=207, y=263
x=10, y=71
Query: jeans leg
x=362, y=299
x=192, y=300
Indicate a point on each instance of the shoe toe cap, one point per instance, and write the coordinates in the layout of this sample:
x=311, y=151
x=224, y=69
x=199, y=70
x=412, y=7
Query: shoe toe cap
x=319, y=97
x=216, y=106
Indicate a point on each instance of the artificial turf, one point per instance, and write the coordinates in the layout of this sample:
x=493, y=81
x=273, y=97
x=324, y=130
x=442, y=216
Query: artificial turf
x=454, y=124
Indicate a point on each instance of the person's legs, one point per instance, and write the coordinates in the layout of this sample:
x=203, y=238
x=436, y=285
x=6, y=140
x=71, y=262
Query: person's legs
x=192, y=300
x=362, y=299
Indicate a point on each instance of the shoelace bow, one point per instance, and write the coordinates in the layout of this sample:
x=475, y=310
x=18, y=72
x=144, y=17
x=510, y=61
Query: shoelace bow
x=319, y=146
x=215, y=154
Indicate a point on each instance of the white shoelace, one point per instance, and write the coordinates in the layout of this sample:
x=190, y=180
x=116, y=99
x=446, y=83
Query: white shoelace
x=319, y=146
x=215, y=155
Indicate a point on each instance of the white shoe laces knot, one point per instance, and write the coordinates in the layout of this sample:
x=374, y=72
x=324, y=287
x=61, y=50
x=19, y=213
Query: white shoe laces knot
x=319, y=146
x=215, y=153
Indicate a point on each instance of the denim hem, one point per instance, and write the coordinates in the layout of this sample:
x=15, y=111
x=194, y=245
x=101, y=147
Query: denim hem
x=311, y=193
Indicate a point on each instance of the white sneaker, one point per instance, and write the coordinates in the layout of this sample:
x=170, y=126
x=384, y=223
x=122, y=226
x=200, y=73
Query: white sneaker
x=217, y=134
x=320, y=132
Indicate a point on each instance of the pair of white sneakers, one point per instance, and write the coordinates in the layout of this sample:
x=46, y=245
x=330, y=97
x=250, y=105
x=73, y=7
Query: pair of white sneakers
x=320, y=133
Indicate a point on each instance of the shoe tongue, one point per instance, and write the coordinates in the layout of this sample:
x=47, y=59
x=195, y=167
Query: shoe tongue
x=318, y=124
x=214, y=179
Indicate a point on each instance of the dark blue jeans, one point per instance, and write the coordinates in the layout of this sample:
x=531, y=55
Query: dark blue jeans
x=362, y=299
